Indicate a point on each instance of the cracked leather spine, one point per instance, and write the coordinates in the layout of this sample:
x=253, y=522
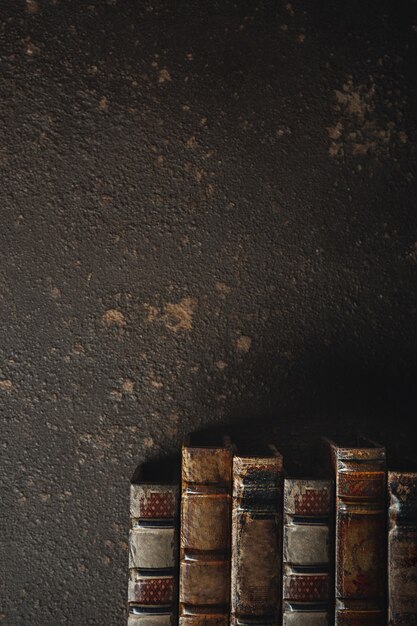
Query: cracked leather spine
x=205, y=536
x=256, y=540
x=360, y=535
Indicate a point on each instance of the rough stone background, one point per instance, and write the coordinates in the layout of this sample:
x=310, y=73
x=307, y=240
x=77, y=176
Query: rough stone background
x=208, y=217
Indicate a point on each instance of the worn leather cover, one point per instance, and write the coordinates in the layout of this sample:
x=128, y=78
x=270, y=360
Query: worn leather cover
x=152, y=589
x=293, y=616
x=351, y=616
x=361, y=535
x=308, y=511
x=402, y=549
x=205, y=536
x=150, y=620
x=256, y=540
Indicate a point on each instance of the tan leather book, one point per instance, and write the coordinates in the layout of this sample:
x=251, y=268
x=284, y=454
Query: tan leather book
x=360, y=533
x=402, y=548
x=256, y=539
x=205, y=535
x=153, y=554
x=307, y=552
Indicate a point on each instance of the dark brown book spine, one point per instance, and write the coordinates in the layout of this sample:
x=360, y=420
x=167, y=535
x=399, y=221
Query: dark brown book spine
x=360, y=551
x=307, y=576
x=256, y=541
x=153, y=555
x=205, y=536
x=402, y=549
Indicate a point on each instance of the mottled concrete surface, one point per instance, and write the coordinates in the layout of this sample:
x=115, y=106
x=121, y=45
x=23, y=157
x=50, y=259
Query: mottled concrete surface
x=208, y=214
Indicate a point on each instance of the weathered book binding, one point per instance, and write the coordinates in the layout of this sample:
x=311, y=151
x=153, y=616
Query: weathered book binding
x=307, y=575
x=402, y=549
x=360, y=547
x=205, y=535
x=256, y=540
x=152, y=590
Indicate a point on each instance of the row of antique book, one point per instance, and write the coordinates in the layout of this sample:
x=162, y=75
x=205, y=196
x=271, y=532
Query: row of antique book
x=243, y=544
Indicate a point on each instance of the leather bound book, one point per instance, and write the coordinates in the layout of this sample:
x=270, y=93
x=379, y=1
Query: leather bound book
x=360, y=533
x=256, y=539
x=307, y=552
x=205, y=535
x=402, y=549
x=152, y=590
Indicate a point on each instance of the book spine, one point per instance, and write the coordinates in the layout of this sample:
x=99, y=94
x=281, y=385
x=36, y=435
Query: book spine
x=360, y=558
x=205, y=536
x=152, y=590
x=256, y=541
x=402, y=549
x=308, y=508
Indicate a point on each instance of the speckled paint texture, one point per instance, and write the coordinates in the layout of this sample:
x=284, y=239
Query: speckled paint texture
x=208, y=217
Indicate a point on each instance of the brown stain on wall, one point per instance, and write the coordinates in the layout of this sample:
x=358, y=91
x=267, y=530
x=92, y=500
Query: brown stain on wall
x=164, y=76
x=176, y=316
x=369, y=122
x=243, y=343
x=32, y=7
x=6, y=385
x=113, y=317
x=179, y=316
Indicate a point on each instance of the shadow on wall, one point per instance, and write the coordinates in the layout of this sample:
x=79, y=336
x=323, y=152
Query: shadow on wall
x=337, y=391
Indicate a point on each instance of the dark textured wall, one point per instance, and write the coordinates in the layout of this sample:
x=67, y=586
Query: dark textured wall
x=208, y=215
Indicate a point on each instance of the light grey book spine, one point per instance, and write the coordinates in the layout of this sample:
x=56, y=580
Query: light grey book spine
x=153, y=555
x=308, y=507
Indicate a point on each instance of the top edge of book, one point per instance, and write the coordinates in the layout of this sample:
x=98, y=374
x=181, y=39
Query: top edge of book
x=396, y=474
x=358, y=454
x=308, y=497
x=154, y=485
x=367, y=451
x=206, y=465
x=402, y=485
x=274, y=462
x=324, y=483
x=152, y=501
x=202, y=447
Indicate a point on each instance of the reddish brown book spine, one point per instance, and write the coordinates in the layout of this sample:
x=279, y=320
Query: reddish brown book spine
x=205, y=536
x=360, y=551
x=402, y=549
x=256, y=540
